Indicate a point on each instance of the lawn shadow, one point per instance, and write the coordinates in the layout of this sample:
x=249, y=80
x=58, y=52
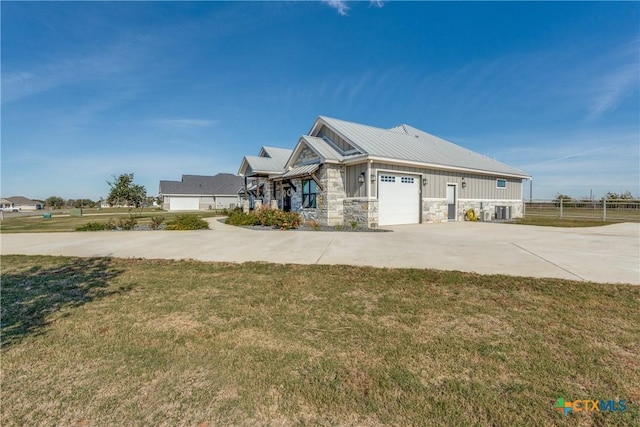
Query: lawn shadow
x=30, y=297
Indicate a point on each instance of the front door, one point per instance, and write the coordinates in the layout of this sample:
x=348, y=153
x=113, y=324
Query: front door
x=286, y=200
x=451, y=202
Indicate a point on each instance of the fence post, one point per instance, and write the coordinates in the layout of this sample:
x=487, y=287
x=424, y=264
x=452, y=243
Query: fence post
x=561, y=204
x=604, y=209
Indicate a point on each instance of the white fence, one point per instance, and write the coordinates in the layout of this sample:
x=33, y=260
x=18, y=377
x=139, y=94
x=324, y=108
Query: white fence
x=603, y=210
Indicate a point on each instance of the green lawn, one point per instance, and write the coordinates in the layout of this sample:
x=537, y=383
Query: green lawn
x=135, y=342
x=62, y=222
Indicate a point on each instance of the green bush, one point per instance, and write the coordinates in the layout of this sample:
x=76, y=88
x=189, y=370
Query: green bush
x=156, y=221
x=127, y=224
x=266, y=217
x=187, y=222
x=240, y=218
x=92, y=226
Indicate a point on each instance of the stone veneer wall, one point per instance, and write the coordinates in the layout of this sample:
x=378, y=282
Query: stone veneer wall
x=490, y=205
x=436, y=210
x=361, y=210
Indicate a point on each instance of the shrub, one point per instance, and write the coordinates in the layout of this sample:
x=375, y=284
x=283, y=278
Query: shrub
x=240, y=218
x=266, y=217
x=156, y=221
x=92, y=226
x=187, y=222
x=354, y=224
x=127, y=224
x=110, y=225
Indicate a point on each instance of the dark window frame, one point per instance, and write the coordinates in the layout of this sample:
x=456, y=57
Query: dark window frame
x=309, y=194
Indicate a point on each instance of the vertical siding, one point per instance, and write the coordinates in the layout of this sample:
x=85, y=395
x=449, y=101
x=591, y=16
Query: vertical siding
x=355, y=188
x=477, y=186
x=326, y=132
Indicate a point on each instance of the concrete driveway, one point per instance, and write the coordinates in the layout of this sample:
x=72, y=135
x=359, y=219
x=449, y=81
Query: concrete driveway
x=608, y=254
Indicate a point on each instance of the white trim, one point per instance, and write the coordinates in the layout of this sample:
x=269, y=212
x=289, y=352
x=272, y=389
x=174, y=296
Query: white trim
x=434, y=166
x=492, y=200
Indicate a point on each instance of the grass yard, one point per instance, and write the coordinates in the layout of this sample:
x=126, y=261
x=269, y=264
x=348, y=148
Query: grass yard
x=60, y=222
x=103, y=341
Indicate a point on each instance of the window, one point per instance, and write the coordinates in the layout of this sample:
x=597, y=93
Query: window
x=406, y=180
x=501, y=183
x=309, y=193
x=387, y=178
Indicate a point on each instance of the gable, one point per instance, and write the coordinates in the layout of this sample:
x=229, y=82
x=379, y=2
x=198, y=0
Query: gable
x=336, y=140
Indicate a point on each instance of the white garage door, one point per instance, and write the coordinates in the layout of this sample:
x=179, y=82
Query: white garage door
x=398, y=199
x=184, y=204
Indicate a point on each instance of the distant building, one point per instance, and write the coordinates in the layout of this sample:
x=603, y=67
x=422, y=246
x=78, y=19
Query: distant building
x=198, y=192
x=24, y=204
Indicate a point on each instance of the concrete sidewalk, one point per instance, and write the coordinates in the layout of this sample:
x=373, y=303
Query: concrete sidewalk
x=608, y=254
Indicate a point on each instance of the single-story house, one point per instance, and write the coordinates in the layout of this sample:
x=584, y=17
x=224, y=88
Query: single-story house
x=24, y=204
x=342, y=173
x=197, y=192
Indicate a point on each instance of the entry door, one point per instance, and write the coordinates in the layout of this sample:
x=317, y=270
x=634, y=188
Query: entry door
x=286, y=200
x=451, y=202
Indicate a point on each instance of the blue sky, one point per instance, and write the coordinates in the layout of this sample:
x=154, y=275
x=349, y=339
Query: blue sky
x=161, y=89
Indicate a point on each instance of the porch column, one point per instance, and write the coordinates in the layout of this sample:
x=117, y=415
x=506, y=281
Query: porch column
x=368, y=180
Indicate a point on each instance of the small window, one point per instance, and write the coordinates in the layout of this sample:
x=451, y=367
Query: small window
x=501, y=183
x=387, y=178
x=309, y=192
x=406, y=180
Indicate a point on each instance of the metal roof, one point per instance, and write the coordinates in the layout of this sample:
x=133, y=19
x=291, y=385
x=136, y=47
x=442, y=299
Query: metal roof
x=301, y=171
x=321, y=147
x=410, y=144
x=220, y=184
x=280, y=155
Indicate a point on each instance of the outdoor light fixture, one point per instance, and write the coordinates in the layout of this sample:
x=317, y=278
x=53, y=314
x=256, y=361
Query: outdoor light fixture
x=361, y=178
x=373, y=177
x=464, y=183
x=425, y=181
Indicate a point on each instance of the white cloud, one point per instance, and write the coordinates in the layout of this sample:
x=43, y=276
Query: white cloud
x=342, y=7
x=339, y=5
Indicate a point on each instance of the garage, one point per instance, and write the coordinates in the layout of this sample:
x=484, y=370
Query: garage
x=398, y=199
x=184, y=203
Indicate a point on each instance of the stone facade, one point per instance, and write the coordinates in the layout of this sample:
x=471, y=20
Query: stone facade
x=306, y=157
x=436, y=210
x=362, y=211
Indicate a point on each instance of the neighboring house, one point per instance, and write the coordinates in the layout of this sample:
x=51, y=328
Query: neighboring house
x=6, y=205
x=343, y=173
x=24, y=204
x=197, y=192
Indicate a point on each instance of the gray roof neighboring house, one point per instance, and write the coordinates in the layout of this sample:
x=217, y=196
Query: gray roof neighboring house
x=217, y=185
x=408, y=144
x=23, y=201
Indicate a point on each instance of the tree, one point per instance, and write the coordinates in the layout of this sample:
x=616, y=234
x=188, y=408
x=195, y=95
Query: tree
x=562, y=197
x=125, y=193
x=54, y=202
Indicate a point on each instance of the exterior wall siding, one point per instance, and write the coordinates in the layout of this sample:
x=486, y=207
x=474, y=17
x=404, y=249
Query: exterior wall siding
x=355, y=188
x=326, y=132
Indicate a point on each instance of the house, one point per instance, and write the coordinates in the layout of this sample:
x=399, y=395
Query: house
x=197, y=192
x=342, y=173
x=24, y=204
x=257, y=170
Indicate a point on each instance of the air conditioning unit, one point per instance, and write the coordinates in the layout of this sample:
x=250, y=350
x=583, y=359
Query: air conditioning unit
x=486, y=216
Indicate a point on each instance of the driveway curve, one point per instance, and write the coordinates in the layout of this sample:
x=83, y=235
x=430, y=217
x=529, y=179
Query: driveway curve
x=607, y=254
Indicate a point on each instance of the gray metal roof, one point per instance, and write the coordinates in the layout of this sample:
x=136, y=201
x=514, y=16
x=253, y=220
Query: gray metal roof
x=271, y=160
x=280, y=155
x=301, y=171
x=220, y=184
x=410, y=144
x=321, y=147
